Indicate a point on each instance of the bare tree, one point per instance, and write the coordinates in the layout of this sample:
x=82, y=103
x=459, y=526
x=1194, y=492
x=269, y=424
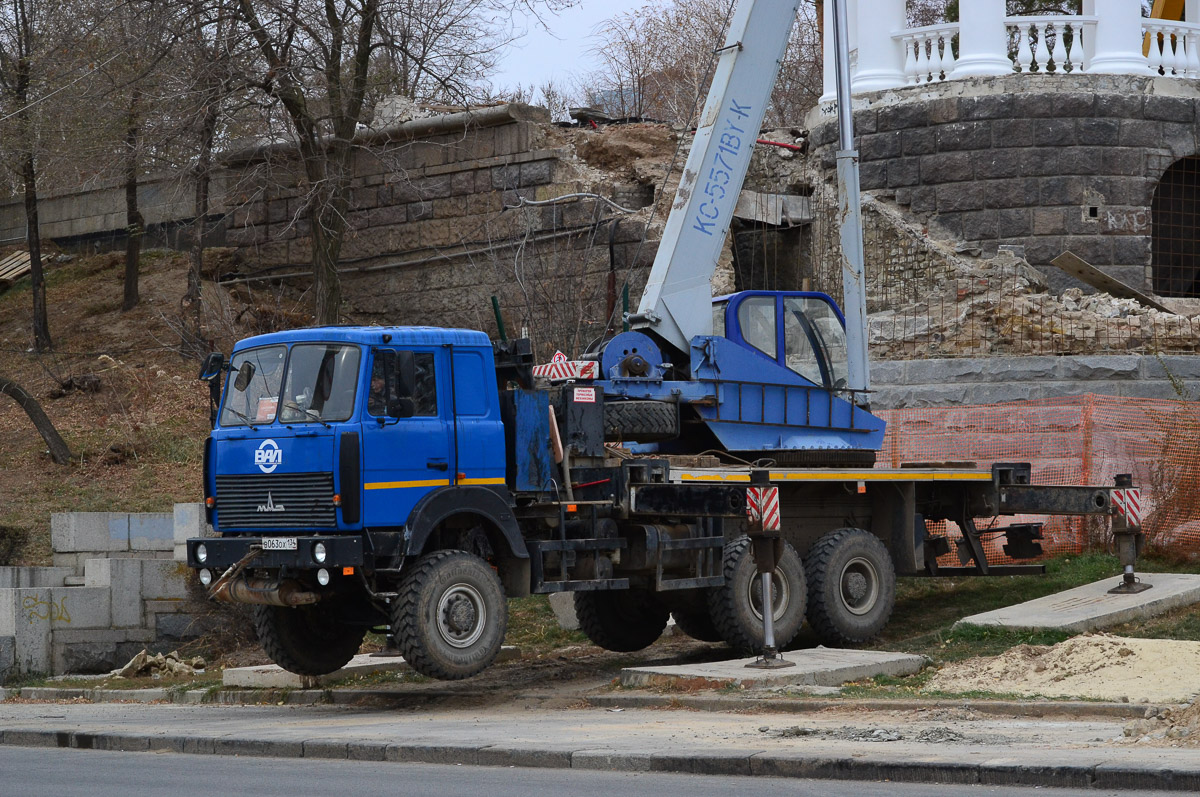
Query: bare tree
x=20, y=60
x=59, y=452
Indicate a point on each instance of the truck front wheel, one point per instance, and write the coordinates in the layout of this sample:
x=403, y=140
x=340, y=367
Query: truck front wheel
x=851, y=586
x=621, y=620
x=737, y=605
x=450, y=618
x=307, y=640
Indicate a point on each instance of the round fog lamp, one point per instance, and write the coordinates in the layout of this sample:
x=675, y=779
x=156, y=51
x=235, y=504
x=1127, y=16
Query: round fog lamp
x=206, y=576
x=319, y=553
x=323, y=577
x=201, y=553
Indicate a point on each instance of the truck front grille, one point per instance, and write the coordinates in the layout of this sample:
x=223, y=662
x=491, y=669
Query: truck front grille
x=286, y=500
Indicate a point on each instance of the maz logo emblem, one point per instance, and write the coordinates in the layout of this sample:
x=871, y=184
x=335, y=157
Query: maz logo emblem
x=270, y=505
x=268, y=456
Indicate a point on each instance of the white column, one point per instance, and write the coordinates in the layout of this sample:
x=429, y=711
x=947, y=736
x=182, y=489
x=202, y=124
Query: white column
x=827, y=52
x=982, y=40
x=880, y=57
x=1118, y=38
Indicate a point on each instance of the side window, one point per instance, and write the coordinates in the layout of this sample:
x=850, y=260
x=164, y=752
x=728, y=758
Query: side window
x=756, y=317
x=377, y=393
x=424, y=388
x=425, y=394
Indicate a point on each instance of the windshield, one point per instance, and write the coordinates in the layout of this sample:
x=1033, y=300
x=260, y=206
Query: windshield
x=259, y=402
x=320, y=383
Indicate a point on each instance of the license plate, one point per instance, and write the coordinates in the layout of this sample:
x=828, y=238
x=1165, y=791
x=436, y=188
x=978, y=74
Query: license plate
x=279, y=543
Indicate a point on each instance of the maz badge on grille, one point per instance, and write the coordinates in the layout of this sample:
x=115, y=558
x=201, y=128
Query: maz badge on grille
x=270, y=505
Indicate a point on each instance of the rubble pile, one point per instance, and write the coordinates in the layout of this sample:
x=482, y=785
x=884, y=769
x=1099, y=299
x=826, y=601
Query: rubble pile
x=160, y=665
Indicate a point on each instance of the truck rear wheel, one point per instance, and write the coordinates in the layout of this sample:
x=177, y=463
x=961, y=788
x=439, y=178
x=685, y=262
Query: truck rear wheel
x=307, y=640
x=622, y=620
x=643, y=421
x=851, y=586
x=737, y=605
x=450, y=618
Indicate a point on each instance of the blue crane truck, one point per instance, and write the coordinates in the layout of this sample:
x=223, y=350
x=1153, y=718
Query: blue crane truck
x=410, y=479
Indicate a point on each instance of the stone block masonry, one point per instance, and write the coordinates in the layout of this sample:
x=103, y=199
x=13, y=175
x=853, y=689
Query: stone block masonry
x=1068, y=163
x=131, y=593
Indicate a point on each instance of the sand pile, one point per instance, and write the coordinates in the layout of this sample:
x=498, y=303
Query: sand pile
x=1094, y=666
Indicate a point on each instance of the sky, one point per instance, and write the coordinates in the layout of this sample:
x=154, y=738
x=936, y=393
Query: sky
x=562, y=52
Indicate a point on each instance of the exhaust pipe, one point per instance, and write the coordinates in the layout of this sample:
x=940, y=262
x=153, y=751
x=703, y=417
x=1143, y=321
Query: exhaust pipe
x=264, y=592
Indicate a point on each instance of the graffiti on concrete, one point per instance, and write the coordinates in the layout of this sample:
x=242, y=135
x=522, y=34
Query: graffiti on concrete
x=38, y=608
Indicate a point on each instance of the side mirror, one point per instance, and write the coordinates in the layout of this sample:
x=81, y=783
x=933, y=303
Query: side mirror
x=213, y=364
x=245, y=374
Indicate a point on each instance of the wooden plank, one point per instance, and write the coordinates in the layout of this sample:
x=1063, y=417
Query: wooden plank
x=15, y=266
x=1084, y=271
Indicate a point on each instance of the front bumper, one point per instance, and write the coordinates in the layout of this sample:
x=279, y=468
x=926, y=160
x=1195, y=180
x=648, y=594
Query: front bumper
x=345, y=550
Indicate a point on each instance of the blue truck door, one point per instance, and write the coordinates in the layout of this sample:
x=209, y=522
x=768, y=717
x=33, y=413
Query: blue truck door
x=405, y=458
x=481, y=459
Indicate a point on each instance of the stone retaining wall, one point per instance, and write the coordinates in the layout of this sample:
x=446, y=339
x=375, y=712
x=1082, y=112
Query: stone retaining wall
x=900, y=384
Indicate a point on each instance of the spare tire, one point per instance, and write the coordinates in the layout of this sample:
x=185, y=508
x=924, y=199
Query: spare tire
x=640, y=421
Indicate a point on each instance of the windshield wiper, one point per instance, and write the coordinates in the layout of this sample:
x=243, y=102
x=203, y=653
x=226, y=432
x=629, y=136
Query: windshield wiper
x=316, y=416
x=244, y=418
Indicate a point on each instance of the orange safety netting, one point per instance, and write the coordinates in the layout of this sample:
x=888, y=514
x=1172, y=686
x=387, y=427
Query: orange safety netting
x=1072, y=441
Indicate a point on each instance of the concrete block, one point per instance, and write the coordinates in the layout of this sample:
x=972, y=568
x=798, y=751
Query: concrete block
x=123, y=579
x=24, y=616
x=563, y=604
x=23, y=577
x=8, y=656
x=1091, y=607
x=74, y=532
x=817, y=667
x=84, y=658
x=171, y=630
x=189, y=522
x=1098, y=367
x=151, y=531
x=163, y=579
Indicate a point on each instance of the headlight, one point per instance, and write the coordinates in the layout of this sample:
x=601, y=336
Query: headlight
x=201, y=553
x=206, y=576
x=323, y=577
x=319, y=553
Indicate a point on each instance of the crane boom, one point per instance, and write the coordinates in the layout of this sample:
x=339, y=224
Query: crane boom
x=677, y=301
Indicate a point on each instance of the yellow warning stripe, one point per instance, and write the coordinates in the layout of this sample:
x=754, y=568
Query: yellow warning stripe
x=431, y=483
x=844, y=476
x=401, y=485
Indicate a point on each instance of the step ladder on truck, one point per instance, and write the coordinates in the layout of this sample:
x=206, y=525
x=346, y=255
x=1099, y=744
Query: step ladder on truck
x=409, y=479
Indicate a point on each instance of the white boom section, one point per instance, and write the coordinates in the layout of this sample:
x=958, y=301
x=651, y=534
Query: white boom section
x=677, y=302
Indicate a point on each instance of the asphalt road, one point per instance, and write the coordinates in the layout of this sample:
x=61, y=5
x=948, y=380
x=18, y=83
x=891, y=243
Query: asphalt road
x=39, y=772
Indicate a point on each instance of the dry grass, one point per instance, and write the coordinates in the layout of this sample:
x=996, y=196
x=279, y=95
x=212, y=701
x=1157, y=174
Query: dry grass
x=138, y=439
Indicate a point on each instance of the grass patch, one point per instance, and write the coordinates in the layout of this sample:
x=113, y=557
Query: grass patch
x=533, y=627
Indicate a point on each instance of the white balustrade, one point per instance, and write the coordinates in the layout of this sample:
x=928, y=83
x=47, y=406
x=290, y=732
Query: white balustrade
x=928, y=53
x=1049, y=44
x=1109, y=38
x=1174, y=47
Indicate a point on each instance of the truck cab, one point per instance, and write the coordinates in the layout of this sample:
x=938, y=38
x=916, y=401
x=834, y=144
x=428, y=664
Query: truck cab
x=344, y=429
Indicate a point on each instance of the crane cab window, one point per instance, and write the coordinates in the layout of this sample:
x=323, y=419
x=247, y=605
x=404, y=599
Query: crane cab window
x=756, y=317
x=814, y=341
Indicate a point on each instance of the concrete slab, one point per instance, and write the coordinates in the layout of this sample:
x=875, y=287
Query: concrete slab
x=272, y=676
x=815, y=667
x=1091, y=607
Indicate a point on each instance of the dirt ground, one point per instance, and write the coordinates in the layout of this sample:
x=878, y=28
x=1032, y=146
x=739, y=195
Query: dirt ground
x=1094, y=666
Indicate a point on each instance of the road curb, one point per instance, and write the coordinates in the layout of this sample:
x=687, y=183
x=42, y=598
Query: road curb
x=390, y=698
x=789, y=765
